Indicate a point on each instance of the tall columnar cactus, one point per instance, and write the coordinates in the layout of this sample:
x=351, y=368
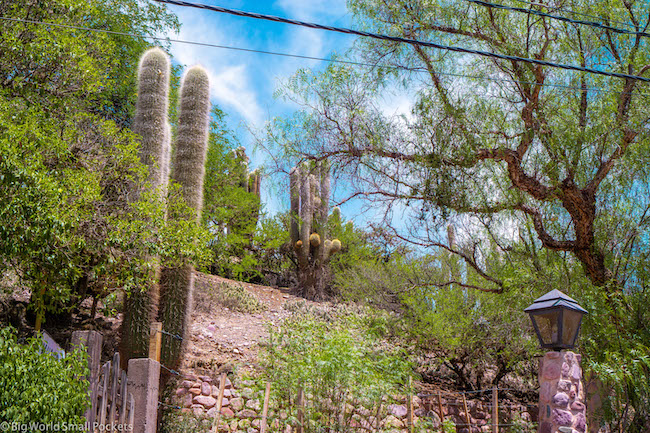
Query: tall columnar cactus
x=176, y=284
x=310, y=195
x=151, y=124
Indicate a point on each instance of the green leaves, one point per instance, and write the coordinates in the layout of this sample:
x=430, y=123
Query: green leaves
x=35, y=386
x=337, y=361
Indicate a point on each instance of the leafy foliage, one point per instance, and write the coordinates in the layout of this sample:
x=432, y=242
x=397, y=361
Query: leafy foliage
x=236, y=298
x=230, y=212
x=337, y=360
x=35, y=386
x=69, y=225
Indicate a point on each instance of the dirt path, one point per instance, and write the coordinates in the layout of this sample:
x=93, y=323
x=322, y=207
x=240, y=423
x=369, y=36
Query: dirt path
x=220, y=337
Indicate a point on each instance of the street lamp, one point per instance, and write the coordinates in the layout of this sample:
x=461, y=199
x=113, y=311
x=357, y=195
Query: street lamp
x=556, y=318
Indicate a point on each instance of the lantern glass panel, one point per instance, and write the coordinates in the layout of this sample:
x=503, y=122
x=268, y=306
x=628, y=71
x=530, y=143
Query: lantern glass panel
x=570, y=325
x=547, y=325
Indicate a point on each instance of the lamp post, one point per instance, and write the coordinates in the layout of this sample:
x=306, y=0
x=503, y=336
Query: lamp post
x=557, y=318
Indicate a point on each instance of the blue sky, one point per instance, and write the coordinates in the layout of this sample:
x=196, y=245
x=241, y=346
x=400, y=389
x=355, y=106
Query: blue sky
x=243, y=83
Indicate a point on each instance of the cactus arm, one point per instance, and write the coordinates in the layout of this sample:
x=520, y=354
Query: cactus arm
x=294, y=191
x=188, y=170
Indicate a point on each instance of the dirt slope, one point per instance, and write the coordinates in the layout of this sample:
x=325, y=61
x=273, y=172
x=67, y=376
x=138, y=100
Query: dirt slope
x=220, y=337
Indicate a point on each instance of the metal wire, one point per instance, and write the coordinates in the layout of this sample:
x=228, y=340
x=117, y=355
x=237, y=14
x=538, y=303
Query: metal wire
x=178, y=337
x=298, y=56
x=399, y=39
x=560, y=18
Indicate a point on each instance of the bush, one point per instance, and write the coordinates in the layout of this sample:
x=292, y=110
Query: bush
x=35, y=386
x=236, y=298
x=337, y=362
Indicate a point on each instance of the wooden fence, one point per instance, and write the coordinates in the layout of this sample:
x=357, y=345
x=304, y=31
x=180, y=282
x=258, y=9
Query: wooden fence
x=119, y=402
x=110, y=402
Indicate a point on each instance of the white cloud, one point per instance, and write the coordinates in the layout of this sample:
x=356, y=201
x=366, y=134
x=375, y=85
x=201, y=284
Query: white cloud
x=230, y=82
x=231, y=87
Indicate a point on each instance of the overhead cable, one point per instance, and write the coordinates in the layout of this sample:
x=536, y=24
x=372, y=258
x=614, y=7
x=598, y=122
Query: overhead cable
x=322, y=59
x=561, y=9
x=400, y=40
x=560, y=18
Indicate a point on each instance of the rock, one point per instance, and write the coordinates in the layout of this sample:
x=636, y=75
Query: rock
x=577, y=406
x=237, y=404
x=227, y=392
x=247, y=393
x=562, y=417
x=553, y=355
x=581, y=423
x=564, y=386
x=236, y=351
x=205, y=400
x=576, y=372
x=243, y=424
x=560, y=399
x=181, y=392
x=398, y=410
x=195, y=391
x=246, y=413
x=392, y=422
x=363, y=411
x=227, y=413
x=254, y=404
x=187, y=384
x=257, y=423
x=565, y=370
x=205, y=379
x=197, y=409
x=206, y=389
x=187, y=400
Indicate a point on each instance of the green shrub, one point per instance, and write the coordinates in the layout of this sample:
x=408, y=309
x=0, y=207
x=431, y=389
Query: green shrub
x=236, y=298
x=337, y=362
x=35, y=386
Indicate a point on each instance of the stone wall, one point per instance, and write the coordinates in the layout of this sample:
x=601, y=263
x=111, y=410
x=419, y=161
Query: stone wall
x=242, y=409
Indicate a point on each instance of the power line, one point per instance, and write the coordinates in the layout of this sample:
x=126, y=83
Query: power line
x=559, y=18
x=299, y=56
x=399, y=39
x=622, y=23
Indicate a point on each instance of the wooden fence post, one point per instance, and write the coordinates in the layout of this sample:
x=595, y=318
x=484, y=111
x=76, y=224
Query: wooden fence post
x=409, y=405
x=442, y=413
x=495, y=410
x=155, y=339
x=92, y=341
x=217, y=415
x=467, y=419
x=377, y=416
x=301, y=410
x=265, y=409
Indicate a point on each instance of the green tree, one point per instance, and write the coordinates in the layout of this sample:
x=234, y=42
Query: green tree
x=504, y=146
x=232, y=203
x=69, y=225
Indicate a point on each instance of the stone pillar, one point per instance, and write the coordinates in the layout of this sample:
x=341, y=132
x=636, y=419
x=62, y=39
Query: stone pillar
x=561, y=394
x=143, y=380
